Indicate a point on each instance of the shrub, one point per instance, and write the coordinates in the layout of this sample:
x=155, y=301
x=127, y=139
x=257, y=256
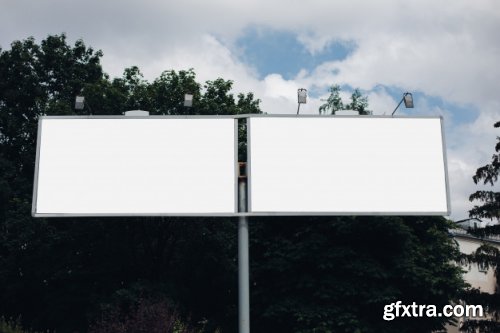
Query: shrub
x=12, y=326
x=146, y=317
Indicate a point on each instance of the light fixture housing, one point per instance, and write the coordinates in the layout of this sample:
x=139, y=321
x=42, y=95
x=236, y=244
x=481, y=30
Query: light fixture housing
x=302, y=96
x=188, y=100
x=79, y=102
x=408, y=99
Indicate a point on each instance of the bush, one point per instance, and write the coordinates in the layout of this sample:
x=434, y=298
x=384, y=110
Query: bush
x=12, y=326
x=146, y=317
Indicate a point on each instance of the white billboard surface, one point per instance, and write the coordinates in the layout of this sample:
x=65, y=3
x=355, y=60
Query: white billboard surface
x=347, y=165
x=135, y=166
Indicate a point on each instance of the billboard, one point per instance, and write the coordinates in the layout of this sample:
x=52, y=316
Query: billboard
x=120, y=166
x=361, y=165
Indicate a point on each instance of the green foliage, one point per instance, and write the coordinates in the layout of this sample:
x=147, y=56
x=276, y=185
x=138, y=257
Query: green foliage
x=358, y=102
x=336, y=274
x=483, y=326
x=57, y=273
x=334, y=102
x=12, y=326
x=488, y=174
x=307, y=274
x=486, y=254
x=145, y=316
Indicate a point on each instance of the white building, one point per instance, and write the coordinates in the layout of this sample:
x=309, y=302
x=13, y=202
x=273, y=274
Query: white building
x=477, y=275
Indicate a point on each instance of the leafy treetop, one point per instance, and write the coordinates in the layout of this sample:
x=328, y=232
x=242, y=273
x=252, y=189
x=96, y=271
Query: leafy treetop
x=488, y=174
x=334, y=102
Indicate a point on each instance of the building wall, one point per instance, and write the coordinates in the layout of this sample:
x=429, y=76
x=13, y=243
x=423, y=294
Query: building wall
x=478, y=277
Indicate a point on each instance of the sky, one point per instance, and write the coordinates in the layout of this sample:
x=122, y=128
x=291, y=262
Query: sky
x=445, y=52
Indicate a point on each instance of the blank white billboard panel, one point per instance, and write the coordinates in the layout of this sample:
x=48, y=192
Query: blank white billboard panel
x=347, y=165
x=135, y=166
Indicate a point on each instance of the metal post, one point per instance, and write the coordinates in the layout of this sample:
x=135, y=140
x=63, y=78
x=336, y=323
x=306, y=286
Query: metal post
x=243, y=258
x=401, y=101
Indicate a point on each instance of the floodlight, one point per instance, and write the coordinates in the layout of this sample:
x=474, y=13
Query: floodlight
x=408, y=99
x=301, y=97
x=188, y=100
x=79, y=102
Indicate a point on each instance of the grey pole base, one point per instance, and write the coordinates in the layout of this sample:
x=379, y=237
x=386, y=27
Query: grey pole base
x=243, y=272
x=243, y=262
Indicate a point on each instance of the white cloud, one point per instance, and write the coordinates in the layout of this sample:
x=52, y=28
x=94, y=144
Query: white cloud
x=470, y=146
x=444, y=49
x=380, y=102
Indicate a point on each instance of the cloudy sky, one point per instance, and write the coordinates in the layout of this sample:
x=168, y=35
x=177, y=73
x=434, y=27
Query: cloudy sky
x=445, y=52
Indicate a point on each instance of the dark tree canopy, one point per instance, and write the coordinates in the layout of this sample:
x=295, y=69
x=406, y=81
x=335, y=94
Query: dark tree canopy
x=328, y=274
x=60, y=273
x=486, y=254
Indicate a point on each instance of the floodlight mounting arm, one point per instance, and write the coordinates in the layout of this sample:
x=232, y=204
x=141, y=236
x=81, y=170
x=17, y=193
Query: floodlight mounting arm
x=401, y=101
x=90, y=109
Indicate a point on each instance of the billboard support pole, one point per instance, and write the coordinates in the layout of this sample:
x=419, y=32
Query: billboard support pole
x=243, y=256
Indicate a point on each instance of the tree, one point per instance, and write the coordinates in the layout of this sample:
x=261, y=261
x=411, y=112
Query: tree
x=308, y=274
x=34, y=80
x=59, y=273
x=358, y=102
x=488, y=174
x=334, y=102
x=328, y=274
x=146, y=316
x=486, y=254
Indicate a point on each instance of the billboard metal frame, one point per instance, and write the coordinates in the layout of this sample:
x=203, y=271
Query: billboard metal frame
x=243, y=251
x=37, y=163
x=236, y=167
x=249, y=170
